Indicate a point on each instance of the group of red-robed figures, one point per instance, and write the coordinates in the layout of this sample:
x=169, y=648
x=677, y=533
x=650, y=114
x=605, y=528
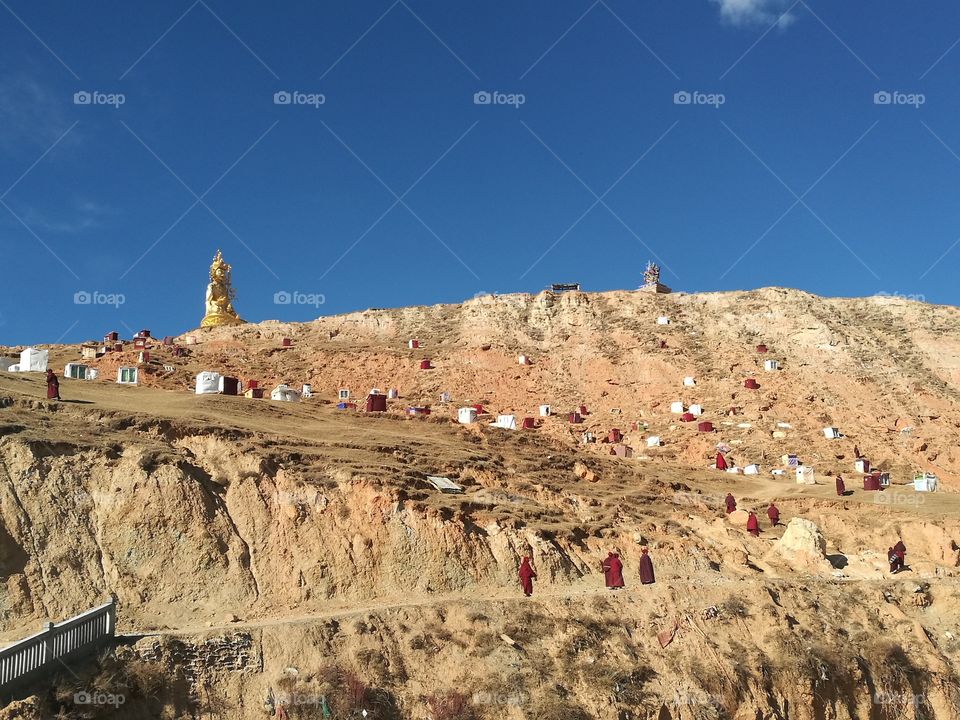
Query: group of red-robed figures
x=895, y=555
x=612, y=567
x=753, y=525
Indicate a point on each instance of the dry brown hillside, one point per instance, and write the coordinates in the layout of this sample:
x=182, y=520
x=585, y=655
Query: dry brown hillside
x=294, y=549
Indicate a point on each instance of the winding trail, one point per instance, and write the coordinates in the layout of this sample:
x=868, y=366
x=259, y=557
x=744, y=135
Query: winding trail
x=343, y=611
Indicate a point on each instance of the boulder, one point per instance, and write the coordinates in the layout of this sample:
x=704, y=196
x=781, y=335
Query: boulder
x=583, y=472
x=736, y=556
x=29, y=709
x=803, y=546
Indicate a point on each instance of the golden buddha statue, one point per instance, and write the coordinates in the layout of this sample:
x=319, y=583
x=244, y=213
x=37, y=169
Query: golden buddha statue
x=220, y=296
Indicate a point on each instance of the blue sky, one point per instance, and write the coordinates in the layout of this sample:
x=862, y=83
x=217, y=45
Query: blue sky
x=384, y=182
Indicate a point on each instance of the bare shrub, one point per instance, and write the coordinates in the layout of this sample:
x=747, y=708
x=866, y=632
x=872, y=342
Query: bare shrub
x=557, y=709
x=450, y=706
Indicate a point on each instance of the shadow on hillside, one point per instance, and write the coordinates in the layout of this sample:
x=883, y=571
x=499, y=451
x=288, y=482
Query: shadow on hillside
x=838, y=561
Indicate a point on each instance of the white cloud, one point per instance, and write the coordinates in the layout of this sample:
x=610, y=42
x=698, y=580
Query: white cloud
x=77, y=216
x=756, y=12
x=32, y=116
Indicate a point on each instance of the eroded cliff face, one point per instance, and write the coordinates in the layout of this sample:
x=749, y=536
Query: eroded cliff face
x=201, y=526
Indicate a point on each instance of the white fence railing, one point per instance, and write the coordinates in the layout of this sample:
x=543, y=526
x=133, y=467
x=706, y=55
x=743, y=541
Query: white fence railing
x=32, y=657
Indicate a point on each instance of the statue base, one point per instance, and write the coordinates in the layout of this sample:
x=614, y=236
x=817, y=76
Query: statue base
x=220, y=320
x=656, y=287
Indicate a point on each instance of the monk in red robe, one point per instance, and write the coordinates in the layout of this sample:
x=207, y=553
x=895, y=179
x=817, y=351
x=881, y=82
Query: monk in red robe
x=753, y=527
x=53, y=386
x=527, y=574
x=731, y=503
x=841, y=488
x=613, y=571
x=721, y=461
x=773, y=512
x=901, y=550
x=895, y=563
x=646, y=568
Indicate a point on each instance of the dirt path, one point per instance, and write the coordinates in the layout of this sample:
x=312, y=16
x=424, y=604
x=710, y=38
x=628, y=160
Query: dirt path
x=634, y=592
x=559, y=591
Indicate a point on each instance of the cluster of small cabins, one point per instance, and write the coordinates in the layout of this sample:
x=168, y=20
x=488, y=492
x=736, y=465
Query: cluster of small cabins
x=376, y=401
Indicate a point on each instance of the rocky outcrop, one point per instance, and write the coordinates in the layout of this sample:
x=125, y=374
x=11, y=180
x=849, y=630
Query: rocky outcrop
x=803, y=546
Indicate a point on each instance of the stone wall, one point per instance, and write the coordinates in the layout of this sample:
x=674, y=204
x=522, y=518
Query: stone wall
x=200, y=660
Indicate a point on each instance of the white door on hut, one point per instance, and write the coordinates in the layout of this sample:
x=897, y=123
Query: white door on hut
x=926, y=482
x=76, y=371
x=805, y=475
x=127, y=376
x=284, y=393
